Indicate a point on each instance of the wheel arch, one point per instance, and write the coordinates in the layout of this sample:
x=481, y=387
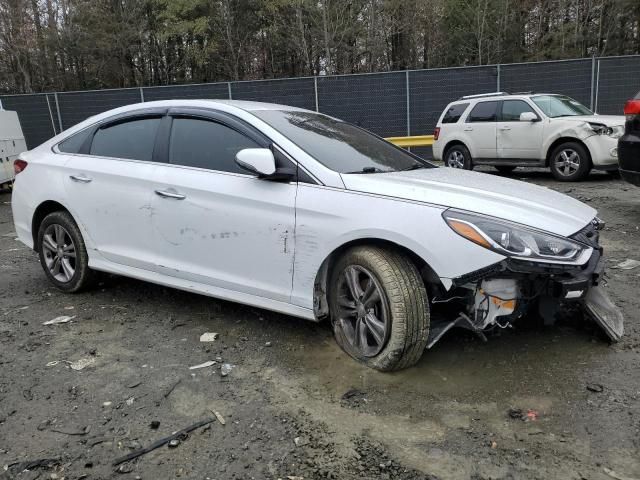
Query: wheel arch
x=564, y=139
x=320, y=291
x=39, y=214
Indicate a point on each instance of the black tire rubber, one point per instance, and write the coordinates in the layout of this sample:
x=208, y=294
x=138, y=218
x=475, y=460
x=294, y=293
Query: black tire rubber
x=408, y=306
x=83, y=277
x=583, y=169
x=468, y=161
x=504, y=168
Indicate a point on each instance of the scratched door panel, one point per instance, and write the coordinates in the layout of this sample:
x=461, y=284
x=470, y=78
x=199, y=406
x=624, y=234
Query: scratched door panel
x=231, y=231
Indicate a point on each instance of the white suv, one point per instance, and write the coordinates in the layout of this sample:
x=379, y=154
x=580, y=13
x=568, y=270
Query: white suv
x=527, y=130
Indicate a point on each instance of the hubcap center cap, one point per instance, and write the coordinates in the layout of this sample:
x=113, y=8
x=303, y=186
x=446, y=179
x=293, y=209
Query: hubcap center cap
x=362, y=311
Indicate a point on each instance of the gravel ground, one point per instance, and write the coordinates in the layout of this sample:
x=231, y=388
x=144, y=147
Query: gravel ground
x=75, y=397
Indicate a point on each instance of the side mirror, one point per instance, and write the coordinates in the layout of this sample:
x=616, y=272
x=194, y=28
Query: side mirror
x=257, y=160
x=529, y=117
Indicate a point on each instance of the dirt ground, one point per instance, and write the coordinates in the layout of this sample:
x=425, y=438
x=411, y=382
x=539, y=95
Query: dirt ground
x=294, y=405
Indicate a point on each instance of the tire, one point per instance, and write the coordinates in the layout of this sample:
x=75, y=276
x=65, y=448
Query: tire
x=402, y=308
x=570, y=162
x=458, y=156
x=73, y=273
x=504, y=168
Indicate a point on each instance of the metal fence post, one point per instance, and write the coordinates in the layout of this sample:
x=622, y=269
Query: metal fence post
x=315, y=89
x=593, y=80
x=141, y=95
x=595, y=105
x=229, y=88
x=55, y=96
x=408, y=104
x=498, y=80
x=53, y=123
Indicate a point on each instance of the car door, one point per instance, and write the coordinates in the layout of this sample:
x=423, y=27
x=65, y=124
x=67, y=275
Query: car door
x=108, y=184
x=215, y=223
x=480, y=130
x=518, y=140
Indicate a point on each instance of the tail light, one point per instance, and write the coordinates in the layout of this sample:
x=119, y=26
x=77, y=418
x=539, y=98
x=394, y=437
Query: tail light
x=19, y=166
x=436, y=133
x=632, y=107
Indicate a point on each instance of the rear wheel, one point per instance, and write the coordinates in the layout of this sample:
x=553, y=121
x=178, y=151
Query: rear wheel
x=458, y=156
x=505, y=168
x=570, y=162
x=379, y=308
x=63, y=254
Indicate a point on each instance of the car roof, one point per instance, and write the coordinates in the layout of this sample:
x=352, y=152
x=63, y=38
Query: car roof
x=246, y=105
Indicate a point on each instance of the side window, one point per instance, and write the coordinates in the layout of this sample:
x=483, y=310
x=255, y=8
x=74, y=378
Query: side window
x=483, y=112
x=454, y=112
x=132, y=139
x=206, y=144
x=511, y=110
x=74, y=143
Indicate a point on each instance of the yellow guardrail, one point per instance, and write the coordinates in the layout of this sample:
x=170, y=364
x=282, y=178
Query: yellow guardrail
x=417, y=141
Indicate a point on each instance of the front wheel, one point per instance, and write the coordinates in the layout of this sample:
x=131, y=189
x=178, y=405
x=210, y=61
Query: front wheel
x=62, y=252
x=570, y=162
x=379, y=308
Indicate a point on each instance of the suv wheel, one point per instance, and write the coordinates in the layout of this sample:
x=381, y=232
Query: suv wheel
x=458, y=156
x=379, y=308
x=62, y=252
x=570, y=162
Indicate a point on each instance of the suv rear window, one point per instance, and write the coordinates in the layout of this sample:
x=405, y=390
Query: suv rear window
x=454, y=112
x=483, y=112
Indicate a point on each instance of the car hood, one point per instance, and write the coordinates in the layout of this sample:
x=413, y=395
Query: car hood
x=608, y=120
x=512, y=200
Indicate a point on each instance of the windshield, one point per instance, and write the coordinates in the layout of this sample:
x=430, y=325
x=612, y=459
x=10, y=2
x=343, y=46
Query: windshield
x=338, y=145
x=560, y=106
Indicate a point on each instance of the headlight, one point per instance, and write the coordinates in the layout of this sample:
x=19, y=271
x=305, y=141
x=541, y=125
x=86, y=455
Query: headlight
x=517, y=241
x=601, y=129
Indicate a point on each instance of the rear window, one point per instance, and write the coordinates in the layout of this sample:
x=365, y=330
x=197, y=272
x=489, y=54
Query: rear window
x=483, y=112
x=133, y=139
x=454, y=112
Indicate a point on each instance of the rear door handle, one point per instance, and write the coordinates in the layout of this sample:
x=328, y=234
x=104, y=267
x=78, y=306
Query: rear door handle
x=468, y=129
x=80, y=178
x=168, y=194
x=505, y=128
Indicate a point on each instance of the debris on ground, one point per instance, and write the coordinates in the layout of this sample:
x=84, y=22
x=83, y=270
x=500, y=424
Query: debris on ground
x=225, y=369
x=267, y=344
x=519, y=414
x=19, y=467
x=173, y=443
x=203, y=365
x=628, y=264
x=82, y=363
x=155, y=424
x=515, y=413
x=219, y=417
x=171, y=388
x=208, y=337
x=59, y=320
x=617, y=476
x=531, y=416
x=354, y=397
x=595, y=387
x=163, y=441
x=300, y=441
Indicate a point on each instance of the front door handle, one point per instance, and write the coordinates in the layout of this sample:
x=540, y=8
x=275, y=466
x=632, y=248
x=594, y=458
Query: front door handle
x=167, y=194
x=468, y=129
x=80, y=178
x=505, y=128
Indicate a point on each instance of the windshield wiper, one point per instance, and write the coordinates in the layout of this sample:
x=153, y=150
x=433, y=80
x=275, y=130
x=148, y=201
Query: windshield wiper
x=369, y=170
x=417, y=166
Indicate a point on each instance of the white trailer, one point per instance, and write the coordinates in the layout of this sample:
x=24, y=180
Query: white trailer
x=11, y=144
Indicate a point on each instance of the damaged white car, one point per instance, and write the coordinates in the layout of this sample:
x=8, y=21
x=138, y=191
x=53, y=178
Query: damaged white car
x=300, y=213
x=527, y=130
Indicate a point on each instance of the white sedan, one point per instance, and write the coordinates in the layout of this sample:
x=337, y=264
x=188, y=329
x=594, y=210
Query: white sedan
x=300, y=213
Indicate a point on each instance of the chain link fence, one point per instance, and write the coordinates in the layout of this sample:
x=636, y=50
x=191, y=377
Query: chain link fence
x=389, y=104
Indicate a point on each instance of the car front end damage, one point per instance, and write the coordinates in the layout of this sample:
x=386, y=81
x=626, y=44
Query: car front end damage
x=526, y=282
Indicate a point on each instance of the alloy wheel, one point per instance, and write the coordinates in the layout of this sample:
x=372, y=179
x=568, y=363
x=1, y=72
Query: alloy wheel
x=455, y=159
x=59, y=253
x=567, y=162
x=363, y=312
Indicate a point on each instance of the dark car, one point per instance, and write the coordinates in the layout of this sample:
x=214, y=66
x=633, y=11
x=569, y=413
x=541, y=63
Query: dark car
x=629, y=143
